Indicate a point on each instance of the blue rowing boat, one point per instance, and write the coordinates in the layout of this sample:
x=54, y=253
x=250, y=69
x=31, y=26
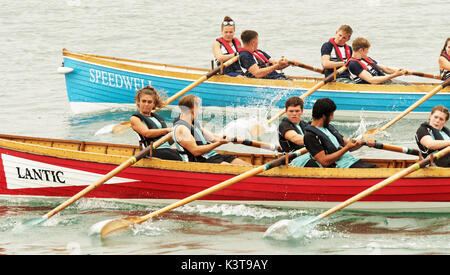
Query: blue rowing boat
x=96, y=83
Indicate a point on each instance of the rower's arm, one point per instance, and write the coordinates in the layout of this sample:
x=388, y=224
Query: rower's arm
x=140, y=128
x=366, y=76
x=433, y=144
x=262, y=72
x=294, y=137
x=328, y=64
x=328, y=159
x=187, y=141
x=444, y=64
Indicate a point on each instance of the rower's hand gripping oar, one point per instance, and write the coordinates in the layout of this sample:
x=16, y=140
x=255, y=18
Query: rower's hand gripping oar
x=409, y=109
x=257, y=130
x=109, y=227
x=299, y=227
x=99, y=182
x=120, y=128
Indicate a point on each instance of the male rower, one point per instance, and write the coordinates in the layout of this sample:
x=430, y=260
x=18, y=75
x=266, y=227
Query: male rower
x=256, y=63
x=335, y=53
x=326, y=145
x=364, y=70
x=291, y=131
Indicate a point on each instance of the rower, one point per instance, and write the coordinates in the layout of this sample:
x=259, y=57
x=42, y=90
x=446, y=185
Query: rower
x=226, y=47
x=194, y=143
x=335, y=53
x=327, y=146
x=150, y=126
x=291, y=131
x=365, y=70
x=257, y=63
x=444, y=60
x=433, y=135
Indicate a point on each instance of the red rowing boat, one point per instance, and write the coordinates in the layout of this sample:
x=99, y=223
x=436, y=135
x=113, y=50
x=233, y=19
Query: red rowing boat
x=60, y=168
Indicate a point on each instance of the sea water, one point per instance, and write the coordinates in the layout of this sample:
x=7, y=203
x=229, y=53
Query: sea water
x=33, y=102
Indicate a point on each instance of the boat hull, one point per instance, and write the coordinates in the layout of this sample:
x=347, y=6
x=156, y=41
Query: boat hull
x=35, y=170
x=98, y=83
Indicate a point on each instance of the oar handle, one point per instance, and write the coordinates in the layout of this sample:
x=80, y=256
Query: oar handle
x=305, y=66
x=418, y=165
x=259, y=144
x=108, y=176
x=426, y=75
x=328, y=79
x=394, y=148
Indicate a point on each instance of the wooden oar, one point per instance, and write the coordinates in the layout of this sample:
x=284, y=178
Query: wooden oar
x=305, y=66
x=99, y=182
x=410, y=108
x=297, y=227
x=120, y=128
x=107, y=228
x=258, y=129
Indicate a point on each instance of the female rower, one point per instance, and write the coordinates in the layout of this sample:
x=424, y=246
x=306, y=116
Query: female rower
x=226, y=47
x=433, y=135
x=444, y=60
x=150, y=126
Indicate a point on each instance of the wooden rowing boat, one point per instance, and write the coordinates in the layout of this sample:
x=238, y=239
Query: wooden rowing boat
x=52, y=168
x=96, y=83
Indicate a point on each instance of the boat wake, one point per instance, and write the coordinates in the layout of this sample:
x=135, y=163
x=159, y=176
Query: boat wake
x=241, y=210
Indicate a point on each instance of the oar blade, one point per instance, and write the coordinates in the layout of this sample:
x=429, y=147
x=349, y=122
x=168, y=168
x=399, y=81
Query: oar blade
x=257, y=130
x=292, y=229
x=372, y=132
x=117, y=226
x=35, y=221
x=121, y=128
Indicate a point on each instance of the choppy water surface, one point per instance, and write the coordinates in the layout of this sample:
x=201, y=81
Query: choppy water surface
x=34, y=103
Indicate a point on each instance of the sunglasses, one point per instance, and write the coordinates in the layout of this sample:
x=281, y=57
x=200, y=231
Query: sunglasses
x=228, y=23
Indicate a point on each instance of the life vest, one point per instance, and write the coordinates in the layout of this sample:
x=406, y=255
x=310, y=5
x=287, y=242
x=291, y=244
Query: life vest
x=364, y=66
x=348, y=53
x=197, y=133
x=235, y=41
x=287, y=145
x=234, y=68
x=325, y=140
x=260, y=58
x=433, y=133
x=445, y=73
x=145, y=141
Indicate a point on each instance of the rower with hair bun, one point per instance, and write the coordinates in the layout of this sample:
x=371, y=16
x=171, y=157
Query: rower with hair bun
x=226, y=47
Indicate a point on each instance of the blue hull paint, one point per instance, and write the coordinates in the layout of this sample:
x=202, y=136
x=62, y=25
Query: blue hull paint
x=91, y=83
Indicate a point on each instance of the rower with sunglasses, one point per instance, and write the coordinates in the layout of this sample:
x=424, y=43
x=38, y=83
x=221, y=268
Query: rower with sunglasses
x=256, y=63
x=226, y=47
